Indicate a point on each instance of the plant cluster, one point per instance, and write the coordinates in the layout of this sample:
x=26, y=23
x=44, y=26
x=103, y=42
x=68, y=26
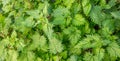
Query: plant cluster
x=59, y=30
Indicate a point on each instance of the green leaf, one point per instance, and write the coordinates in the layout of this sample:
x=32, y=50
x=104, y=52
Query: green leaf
x=13, y=38
x=33, y=13
x=64, y=54
x=39, y=59
x=74, y=36
x=5, y=2
x=113, y=50
x=47, y=28
x=88, y=57
x=76, y=7
x=111, y=3
x=26, y=56
x=2, y=18
x=91, y=41
x=61, y=11
x=73, y=58
x=96, y=15
x=55, y=46
x=60, y=14
x=102, y=2
x=38, y=42
x=86, y=6
x=59, y=20
x=99, y=54
x=116, y=14
x=117, y=24
x=107, y=23
x=68, y=3
x=29, y=22
x=14, y=34
x=30, y=56
x=79, y=20
x=45, y=9
x=56, y=58
x=2, y=48
x=7, y=8
x=12, y=55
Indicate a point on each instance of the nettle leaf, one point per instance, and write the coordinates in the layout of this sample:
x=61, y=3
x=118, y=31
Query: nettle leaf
x=59, y=20
x=79, y=20
x=21, y=23
x=12, y=55
x=14, y=34
x=96, y=15
x=24, y=25
x=68, y=21
x=102, y=2
x=45, y=9
x=26, y=56
x=23, y=57
x=111, y=3
x=2, y=18
x=43, y=41
x=29, y=22
x=91, y=41
x=56, y=58
x=43, y=44
x=60, y=14
x=117, y=24
x=113, y=50
x=39, y=59
x=64, y=54
x=99, y=54
x=33, y=13
x=7, y=8
x=82, y=43
x=86, y=6
x=4, y=2
x=76, y=7
x=68, y=30
x=73, y=58
x=74, y=36
x=13, y=38
x=20, y=44
x=76, y=51
x=68, y=3
x=17, y=5
x=47, y=28
x=55, y=46
x=30, y=56
x=87, y=28
x=41, y=6
x=116, y=14
x=107, y=23
x=3, y=44
x=88, y=57
x=27, y=4
x=38, y=42
x=105, y=32
x=61, y=11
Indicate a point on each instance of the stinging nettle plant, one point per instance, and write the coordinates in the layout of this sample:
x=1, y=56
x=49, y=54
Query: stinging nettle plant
x=59, y=30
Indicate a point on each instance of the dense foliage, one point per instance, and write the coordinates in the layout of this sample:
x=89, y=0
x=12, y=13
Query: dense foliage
x=59, y=30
